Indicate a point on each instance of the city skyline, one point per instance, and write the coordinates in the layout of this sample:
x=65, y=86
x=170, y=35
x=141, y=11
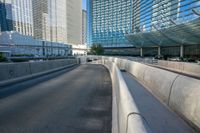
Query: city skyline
x=40, y=27
x=47, y=20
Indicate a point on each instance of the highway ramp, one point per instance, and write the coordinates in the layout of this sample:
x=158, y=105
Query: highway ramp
x=76, y=101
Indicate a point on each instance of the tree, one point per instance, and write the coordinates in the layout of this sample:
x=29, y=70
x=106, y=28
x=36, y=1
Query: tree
x=2, y=58
x=97, y=49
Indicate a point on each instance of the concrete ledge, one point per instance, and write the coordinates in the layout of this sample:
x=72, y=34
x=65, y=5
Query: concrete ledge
x=136, y=69
x=123, y=104
x=185, y=99
x=32, y=76
x=135, y=123
x=159, y=82
x=16, y=70
x=182, y=67
x=180, y=93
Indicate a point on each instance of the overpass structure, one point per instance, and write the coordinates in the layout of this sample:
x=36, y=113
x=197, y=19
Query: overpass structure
x=107, y=95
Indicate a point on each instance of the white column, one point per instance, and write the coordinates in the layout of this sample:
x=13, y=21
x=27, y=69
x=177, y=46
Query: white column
x=181, y=51
x=159, y=52
x=141, y=52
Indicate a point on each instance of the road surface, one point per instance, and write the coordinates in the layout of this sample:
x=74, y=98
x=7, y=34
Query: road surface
x=75, y=101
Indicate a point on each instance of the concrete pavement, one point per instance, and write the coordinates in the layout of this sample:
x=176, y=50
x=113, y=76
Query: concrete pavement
x=77, y=101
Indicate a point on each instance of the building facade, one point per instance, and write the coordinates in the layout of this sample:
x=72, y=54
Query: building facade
x=156, y=27
x=18, y=45
x=16, y=15
x=109, y=21
x=84, y=27
x=170, y=25
x=49, y=21
x=152, y=15
x=5, y=23
x=40, y=20
x=58, y=21
x=74, y=22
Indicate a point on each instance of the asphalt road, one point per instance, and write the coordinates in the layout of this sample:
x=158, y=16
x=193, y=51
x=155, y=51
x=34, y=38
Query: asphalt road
x=70, y=101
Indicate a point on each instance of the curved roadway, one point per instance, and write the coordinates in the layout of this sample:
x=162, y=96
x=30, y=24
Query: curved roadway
x=70, y=101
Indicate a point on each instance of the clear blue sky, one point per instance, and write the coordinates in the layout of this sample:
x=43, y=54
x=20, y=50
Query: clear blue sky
x=84, y=4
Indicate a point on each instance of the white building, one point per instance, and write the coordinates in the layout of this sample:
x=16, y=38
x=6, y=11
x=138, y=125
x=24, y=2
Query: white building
x=19, y=44
x=58, y=20
x=84, y=27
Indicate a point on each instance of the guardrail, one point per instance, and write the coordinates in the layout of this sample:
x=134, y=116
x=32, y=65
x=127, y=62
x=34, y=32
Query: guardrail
x=182, y=67
x=126, y=116
x=180, y=93
x=24, y=59
x=13, y=72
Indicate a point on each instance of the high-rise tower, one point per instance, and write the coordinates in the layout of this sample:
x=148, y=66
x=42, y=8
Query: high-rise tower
x=84, y=27
x=58, y=20
x=16, y=15
x=109, y=22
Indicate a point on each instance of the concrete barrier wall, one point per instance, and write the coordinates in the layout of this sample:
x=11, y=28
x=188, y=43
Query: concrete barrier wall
x=159, y=82
x=136, y=69
x=180, y=93
x=193, y=69
x=15, y=70
x=129, y=118
x=185, y=99
x=183, y=67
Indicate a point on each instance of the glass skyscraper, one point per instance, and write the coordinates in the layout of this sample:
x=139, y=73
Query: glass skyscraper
x=148, y=24
x=16, y=15
x=109, y=22
x=171, y=25
x=149, y=15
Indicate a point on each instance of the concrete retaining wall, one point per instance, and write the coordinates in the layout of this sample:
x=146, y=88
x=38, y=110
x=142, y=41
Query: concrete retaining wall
x=15, y=70
x=187, y=68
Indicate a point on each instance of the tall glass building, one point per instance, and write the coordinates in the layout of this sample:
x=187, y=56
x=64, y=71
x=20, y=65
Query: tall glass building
x=167, y=27
x=150, y=15
x=16, y=15
x=109, y=21
x=171, y=25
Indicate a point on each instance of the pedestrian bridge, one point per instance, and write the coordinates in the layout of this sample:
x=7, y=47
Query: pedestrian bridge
x=103, y=96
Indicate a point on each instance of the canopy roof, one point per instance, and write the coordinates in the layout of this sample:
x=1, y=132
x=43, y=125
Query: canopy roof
x=179, y=34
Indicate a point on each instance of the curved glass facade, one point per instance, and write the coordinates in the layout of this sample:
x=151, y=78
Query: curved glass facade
x=151, y=15
x=165, y=23
x=143, y=22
